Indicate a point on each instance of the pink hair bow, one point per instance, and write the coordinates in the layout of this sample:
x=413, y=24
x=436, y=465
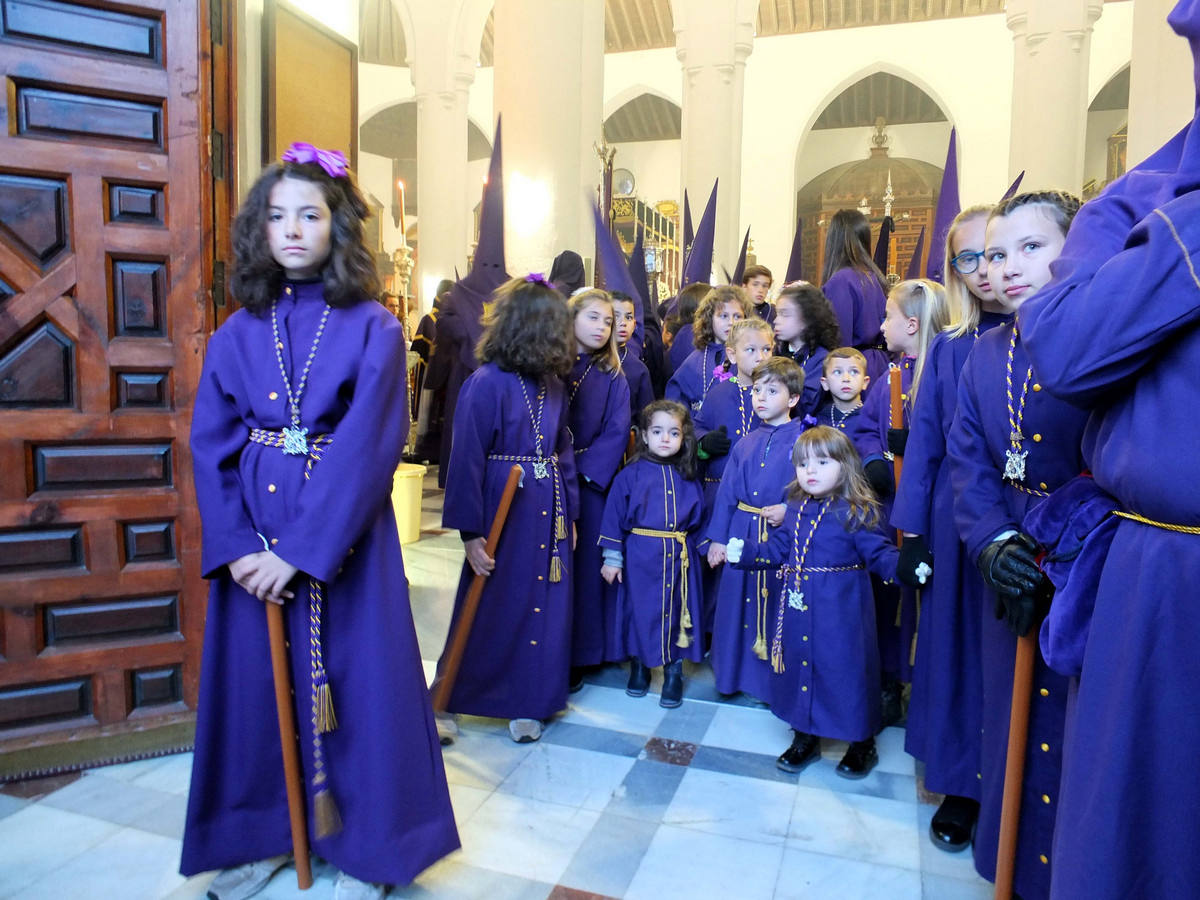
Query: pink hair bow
x=332, y=161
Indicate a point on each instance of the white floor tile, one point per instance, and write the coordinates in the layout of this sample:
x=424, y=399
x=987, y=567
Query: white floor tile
x=605, y=707
x=466, y=800
x=172, y=777
x=752, y=729
x=568, y=776
x=812, y=876
x=128, y=864
x=37, y=840
x=685, y=863
x=959, y=865
x=452, y=879
x=855, y=826
x=731, y=805
x=482, y=760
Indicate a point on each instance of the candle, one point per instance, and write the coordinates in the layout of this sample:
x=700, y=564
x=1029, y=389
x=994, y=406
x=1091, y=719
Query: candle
x=403, y=230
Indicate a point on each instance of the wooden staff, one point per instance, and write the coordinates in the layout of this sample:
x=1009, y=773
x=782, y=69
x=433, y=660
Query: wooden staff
x=287, y=743
x=896, y=412
x=457, y=645
x=1014, y=769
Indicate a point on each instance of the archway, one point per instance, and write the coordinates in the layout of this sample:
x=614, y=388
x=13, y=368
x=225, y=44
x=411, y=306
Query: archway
x=1105, y=140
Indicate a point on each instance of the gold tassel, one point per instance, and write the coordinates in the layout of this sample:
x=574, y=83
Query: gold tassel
x=683, y=640
x=560, y=528
x=760, y=647
x=555, y=569
x=777, y=659
x=327, y=820
x=326, y=718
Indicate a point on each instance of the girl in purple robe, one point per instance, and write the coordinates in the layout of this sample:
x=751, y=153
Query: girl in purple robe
x=513, y=410
x=679, y=325
x=806, y=330
x=598, y=398
x=300, y=417
x=721, y=307
x=651, y=548
x=823, y=655
x=855, y=287
x=1010, y=445
x=945, y=705
x=641, y=390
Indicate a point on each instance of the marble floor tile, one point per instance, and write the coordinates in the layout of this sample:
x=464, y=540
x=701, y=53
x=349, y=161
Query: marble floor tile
x=603, y=707
x=565, y=775
x=869, y=829
x=682, y=862
x=452, y=879
x=528, y=838
x=647, y=791
x=38, y=839
x=131, y=770
x=172, y=776
x=939, y=887
x=601, y=740
x=609, y=857
x=687, y=723
x=9, y=805
x=466, y=800
x=813, y=876
x=732, y=805
x=934, y=861
x=120, y=802
x=482, y=760
x=748, y=729
x=888, y=785
x=130, y=863
x=677, y=753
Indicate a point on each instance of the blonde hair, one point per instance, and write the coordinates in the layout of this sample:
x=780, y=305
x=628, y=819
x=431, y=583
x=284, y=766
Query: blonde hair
x=925, y=301
x=702, y=327
x=608, y=357
x=822, y=440
x=965, y=307
x=753, y=323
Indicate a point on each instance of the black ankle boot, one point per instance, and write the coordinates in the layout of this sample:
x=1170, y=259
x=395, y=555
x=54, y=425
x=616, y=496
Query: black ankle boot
x=861, y=757
x=672, y=689
x=805, y=748
x=953, y=824
x=639, y=679
x=575, y=683
x=892, y=707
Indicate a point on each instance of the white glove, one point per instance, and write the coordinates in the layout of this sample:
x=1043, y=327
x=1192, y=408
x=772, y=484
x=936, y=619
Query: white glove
x=923, y=572
x=733, y=550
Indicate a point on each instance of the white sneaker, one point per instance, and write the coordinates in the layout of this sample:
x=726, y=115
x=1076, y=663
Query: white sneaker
x=245, y=881
x=347, y=887
x=525, y=731
x=447, y=727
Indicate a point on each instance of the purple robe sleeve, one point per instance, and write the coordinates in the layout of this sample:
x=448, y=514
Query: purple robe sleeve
x=601, y=458
x=925, y=450
x=775, y=550
x=845, y=296
x=565, y=448
x=814, y=371
x=876, y=551
x=477, y=418
x=615, y=525
x=732, y=489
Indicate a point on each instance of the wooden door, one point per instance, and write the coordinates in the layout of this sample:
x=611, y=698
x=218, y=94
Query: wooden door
x=105, y=262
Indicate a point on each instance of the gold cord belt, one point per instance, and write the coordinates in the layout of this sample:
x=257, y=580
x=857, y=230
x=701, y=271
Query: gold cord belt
x=679, y=537
x=1166, y=526
x=761, y=591
x=560, y=519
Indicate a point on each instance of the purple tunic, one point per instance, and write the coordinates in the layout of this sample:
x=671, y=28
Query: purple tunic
x=459, y=328
x=829, y=685
x=681, y=347
x=812, y=361
x=383, y=762
x=694, y=377
x=860, y=306
x=653, y=495
x=641, y=390
x=757, y=475
x=984, y=507
x=1129, y=788
x=856, y=425
x=946, y=705
x=599, y=420
x=518, y=654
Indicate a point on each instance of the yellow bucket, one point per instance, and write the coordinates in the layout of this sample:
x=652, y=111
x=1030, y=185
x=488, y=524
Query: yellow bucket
x=406, y=500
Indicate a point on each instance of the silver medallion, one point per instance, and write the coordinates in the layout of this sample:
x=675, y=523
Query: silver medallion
x=1014, y=465
x=539, y=468
x=696, y=405
x=295, y=441
x=796, y=600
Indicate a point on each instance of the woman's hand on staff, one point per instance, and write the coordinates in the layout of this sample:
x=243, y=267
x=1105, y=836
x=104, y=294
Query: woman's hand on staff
x=480, y=562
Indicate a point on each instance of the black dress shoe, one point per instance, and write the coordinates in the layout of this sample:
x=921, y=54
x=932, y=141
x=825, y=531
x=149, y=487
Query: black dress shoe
x=805, y=748
x=672, y=688
x=861, y=757
x=953, y=824
x=892, y=704
x=575, y=684
x=639, y=679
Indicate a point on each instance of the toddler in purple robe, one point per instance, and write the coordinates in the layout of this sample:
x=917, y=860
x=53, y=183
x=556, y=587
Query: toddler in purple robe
x=300, y=417
x=805, y=331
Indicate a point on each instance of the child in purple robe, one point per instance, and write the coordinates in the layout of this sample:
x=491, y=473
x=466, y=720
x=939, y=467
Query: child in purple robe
x=598, y=398
x=650, y=546
x=944, y=709
x=806, y=330
x=679, y=324
x=695, y=376
x=750, y=498
x=855, y=287
x=1010, y=445
x=845, y=379
x=300, y=417
x=513, y=410
x=823, y=656
x=641, y=390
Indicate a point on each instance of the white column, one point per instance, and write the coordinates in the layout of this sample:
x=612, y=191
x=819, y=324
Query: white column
x=713, y=39
x=1051, y=44
x=1162, y=90
x=545, y=83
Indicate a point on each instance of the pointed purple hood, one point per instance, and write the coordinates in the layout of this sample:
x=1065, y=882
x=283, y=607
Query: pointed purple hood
x=740, y=269
x=1012, y=188
x=795, y=269
x=947, y=208
x=914, y=264
x=698, y=266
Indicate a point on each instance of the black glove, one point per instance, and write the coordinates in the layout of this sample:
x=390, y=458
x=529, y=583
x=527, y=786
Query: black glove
x=913, y=552
x=1009, y=567
x=879, y=477
x=1026, y=611
x=897, y=440
x=715, y=443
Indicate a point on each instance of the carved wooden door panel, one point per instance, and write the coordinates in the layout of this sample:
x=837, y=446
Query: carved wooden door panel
x=103, y=312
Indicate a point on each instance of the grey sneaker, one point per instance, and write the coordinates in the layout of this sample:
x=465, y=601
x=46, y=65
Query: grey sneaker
x=525, y=731
x=245, y=881
x=447, y=727
x=347, y=887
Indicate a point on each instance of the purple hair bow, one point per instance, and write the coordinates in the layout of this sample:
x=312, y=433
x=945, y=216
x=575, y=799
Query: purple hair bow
x=332, y=161
x=539, y=278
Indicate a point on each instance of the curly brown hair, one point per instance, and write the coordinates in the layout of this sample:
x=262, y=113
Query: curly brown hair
x=702, y=327
x=348, y=274
x=820, y=322
x=685, y=459
x=528, y=330
x=853, y=488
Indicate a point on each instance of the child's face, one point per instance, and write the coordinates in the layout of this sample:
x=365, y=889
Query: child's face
x=298, y=227
x=969, y=239
x=723, y=318
x=844, y=379
x=1020, y=248
x=818, y=476
x=789, y=321
x=664, y=435
x=752, y=347
x=899, y=330
x=624, y=320
x=772, y=402
x=593, y=325
x=757, y=287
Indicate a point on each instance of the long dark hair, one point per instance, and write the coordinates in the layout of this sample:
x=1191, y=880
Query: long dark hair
x=528, y=330
x=848, y=245
x=821, y=327
x=685, y=459
x=853, y=488
x=348, y=274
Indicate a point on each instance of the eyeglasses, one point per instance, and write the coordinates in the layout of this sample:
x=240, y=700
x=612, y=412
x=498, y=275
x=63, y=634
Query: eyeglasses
x=967, y=261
